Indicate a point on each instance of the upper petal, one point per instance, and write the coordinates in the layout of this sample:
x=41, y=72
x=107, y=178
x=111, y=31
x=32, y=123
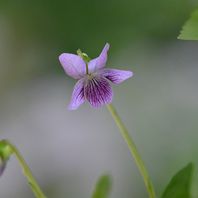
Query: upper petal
x=98, y=91
x=115, y=75
x=77, y=96
x=100, y=61
x=73, y=65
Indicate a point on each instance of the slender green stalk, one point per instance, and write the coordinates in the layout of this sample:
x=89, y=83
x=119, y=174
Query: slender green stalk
x=133, y=150
x=27, y=172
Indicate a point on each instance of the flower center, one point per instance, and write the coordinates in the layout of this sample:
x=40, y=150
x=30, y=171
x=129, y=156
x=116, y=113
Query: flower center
x=89, y=76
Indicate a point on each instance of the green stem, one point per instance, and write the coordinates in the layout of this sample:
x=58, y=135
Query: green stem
x=27, y=172
x=133, y=150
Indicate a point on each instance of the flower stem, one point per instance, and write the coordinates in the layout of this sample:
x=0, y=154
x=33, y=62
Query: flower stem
x=27, y=172
x=133, y=150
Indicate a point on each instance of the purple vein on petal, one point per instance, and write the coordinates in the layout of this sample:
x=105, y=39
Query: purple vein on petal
x=115, y=75
x=98, y=91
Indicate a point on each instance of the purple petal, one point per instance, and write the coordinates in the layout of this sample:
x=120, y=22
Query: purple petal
x=77, y=96
x=98, y=91
x=100, y=61
x=73, y=65
x=115, y=75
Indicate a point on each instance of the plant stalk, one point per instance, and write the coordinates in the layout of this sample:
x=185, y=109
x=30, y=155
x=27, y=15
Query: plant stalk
x=27, y=172
x=133, y=150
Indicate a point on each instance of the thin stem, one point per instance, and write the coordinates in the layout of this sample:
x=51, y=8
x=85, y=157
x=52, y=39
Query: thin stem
x=87, y=69
x=27, y=172
x=133, y=150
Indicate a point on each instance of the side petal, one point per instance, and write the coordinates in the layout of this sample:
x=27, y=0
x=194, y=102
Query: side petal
x=100, y=61
x=98, y=91
x=73, y=65
x=77, y=96
x=115, y=75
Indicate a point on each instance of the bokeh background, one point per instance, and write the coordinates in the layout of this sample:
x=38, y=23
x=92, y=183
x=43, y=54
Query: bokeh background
x=68, y=151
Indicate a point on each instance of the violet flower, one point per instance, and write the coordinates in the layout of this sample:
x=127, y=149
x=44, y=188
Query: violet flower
x=93, y=79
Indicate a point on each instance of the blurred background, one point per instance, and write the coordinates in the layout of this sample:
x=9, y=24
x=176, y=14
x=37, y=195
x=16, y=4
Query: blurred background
x=68, y=151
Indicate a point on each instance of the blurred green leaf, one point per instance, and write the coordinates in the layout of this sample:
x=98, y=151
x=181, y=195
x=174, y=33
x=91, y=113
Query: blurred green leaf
x=190, y=28
x=103, y=187
x=180, y=184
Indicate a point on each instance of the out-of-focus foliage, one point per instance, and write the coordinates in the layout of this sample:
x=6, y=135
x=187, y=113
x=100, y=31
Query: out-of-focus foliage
x=180, y=184
x=190, y=29
x=72, y=24
x=41, y=30
x=103, y=187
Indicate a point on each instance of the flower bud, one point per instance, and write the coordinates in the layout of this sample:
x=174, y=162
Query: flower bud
x=2, y=166
x=5, y=153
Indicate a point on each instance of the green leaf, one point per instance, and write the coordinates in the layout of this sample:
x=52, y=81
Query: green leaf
x=190, y=28
x=180, y=184
x=103, y=187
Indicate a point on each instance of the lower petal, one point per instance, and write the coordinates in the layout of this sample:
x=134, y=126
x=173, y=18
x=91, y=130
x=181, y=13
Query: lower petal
x=77, y=96
x=115, y=75
x=98, y=91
